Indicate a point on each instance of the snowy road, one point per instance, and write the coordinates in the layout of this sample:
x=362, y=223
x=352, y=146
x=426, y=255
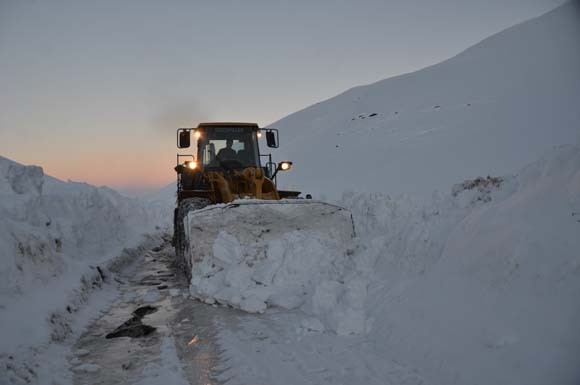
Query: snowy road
x=196, y=343
x=173, y=342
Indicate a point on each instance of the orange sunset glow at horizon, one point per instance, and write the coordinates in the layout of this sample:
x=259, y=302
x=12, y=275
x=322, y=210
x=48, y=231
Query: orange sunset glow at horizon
x=117, y=171
x=141, y=162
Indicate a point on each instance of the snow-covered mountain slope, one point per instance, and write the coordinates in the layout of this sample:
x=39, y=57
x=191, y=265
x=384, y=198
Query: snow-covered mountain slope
x=491, y=109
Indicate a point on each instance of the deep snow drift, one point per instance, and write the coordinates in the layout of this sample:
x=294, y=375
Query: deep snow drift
x=495, y=298
x=53, y=235
x=492, y=109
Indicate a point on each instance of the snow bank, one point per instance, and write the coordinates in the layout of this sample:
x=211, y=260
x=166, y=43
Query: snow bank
x=254, y=255
x=469, y=289
x=48, y=227
x=57, y=240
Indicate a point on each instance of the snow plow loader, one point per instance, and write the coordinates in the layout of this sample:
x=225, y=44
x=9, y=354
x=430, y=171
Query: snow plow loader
x=229, y=187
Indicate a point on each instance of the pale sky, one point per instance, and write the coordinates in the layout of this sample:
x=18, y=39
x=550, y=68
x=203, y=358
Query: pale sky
x=93, y=90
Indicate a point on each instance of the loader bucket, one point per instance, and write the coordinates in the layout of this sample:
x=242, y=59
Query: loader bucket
x=255, y=224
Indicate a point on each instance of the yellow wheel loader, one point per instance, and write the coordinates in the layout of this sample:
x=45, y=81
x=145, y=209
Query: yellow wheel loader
x=230, y=185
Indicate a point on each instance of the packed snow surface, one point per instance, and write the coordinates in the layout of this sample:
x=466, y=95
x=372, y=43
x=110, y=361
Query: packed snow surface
x=492, y=109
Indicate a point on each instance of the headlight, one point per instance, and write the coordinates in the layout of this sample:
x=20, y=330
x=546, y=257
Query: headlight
x=191, y=164
x=285, y=166
x=197, y=134
x=259, y=133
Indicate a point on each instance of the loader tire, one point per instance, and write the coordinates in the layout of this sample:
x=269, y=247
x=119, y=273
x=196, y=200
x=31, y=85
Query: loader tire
x=179, y=237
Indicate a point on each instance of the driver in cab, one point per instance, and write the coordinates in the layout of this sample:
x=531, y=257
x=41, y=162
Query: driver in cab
x=227, y=153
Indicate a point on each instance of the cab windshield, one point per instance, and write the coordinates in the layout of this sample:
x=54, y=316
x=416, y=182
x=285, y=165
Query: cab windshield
x=229, y=147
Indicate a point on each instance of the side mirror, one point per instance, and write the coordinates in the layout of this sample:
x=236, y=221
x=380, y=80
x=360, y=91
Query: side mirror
x=184, y=138
x=271, y=139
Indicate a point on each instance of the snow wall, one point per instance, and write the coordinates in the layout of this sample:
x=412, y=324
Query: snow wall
x=481, y=284
x=48, y=227
x=53, y=235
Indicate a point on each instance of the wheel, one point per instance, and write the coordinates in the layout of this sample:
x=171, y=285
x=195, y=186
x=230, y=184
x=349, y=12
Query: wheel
x=179, y=239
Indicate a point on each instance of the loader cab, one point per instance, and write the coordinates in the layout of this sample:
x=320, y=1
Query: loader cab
x=227, y=147
x=226, y=163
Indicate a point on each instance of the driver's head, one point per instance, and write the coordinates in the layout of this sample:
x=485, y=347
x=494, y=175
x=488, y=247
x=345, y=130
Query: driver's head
x=229, y=143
